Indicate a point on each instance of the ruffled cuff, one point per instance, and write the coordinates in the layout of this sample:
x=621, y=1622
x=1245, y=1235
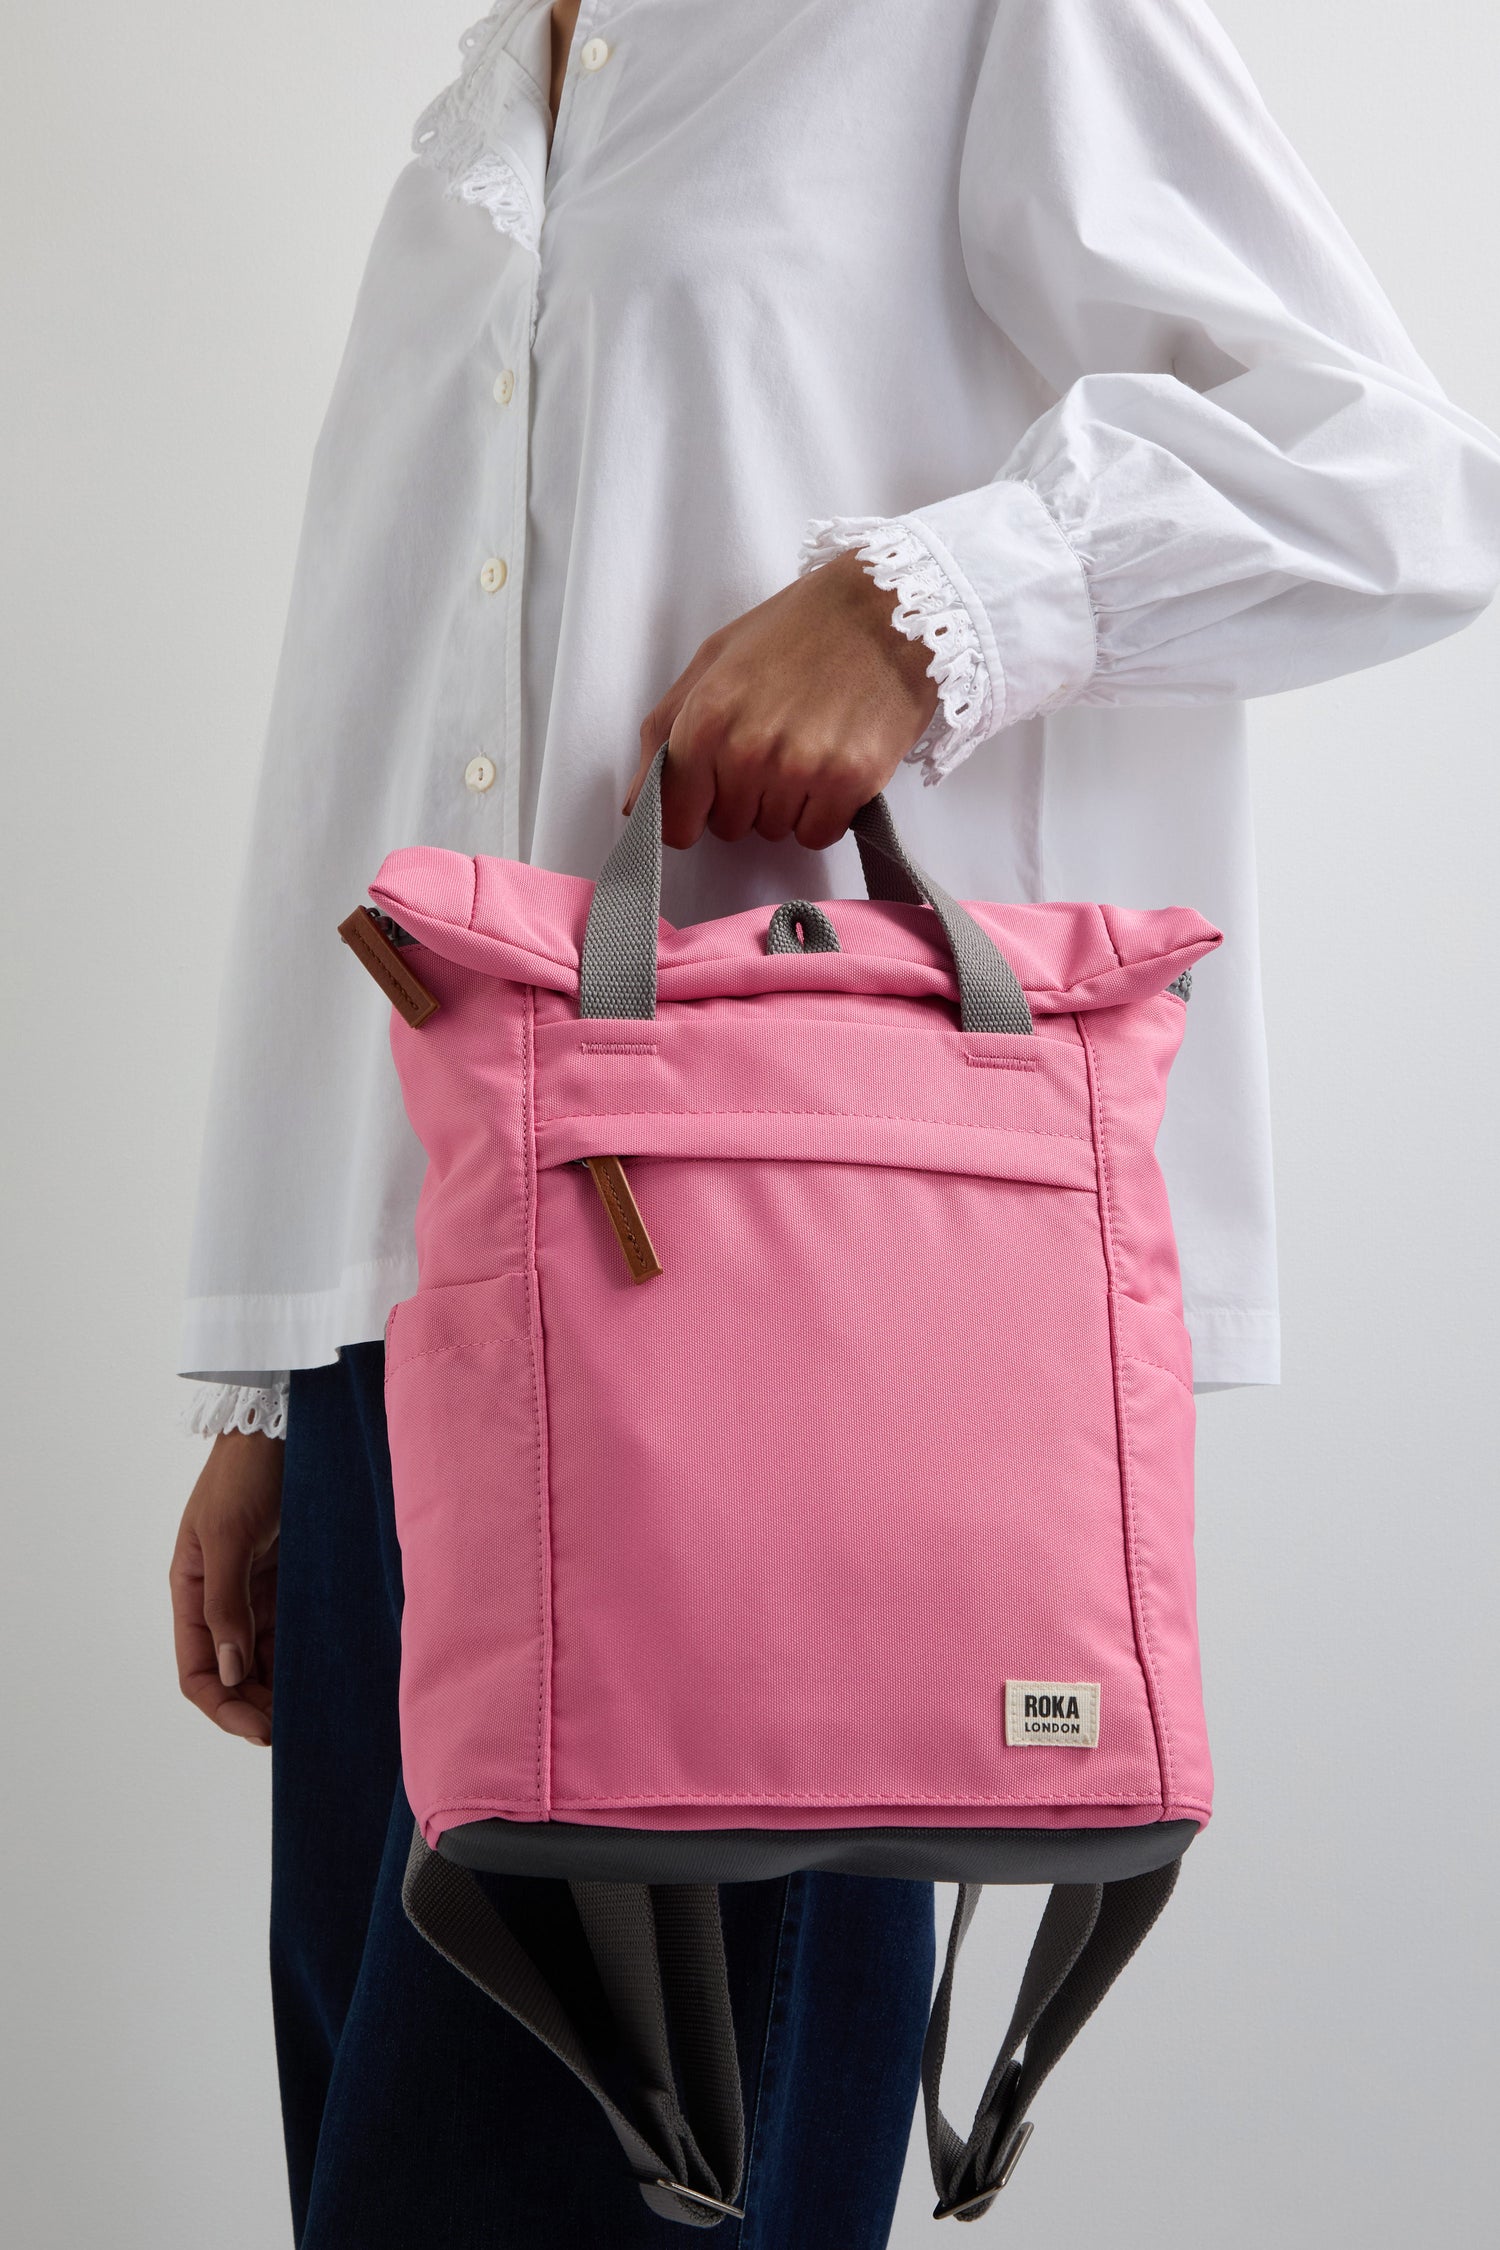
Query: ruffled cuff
x=928, y=609
x=991, y=586
x=254, y=1408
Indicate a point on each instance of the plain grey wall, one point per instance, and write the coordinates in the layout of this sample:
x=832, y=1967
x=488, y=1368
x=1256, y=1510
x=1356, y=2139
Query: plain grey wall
x=1305, y=2054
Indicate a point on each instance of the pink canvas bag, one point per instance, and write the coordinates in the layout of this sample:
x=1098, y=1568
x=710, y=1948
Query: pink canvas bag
x=792, y=1436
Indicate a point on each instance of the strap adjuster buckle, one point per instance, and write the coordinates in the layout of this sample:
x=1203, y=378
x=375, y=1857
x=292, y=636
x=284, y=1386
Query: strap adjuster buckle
x=973, y=2205
x=703, y=2202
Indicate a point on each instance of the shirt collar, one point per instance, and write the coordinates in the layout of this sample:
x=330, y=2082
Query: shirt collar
x=487, y=135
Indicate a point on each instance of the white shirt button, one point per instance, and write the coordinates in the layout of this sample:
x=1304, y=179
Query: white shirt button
x=595, y=54
x=479, y=775
x=493, y=575
x=505, y=387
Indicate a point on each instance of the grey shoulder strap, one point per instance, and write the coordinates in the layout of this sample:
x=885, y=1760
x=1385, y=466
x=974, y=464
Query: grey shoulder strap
x=659, y=1951
x=617, y=971
x=1088, y=1933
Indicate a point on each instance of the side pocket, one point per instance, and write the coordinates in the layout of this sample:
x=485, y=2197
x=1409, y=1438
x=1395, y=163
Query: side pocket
x=466, y=1458
x=1158, y=1420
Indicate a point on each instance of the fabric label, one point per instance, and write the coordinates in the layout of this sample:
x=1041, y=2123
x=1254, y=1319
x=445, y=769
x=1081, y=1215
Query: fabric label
x=1052, y=1714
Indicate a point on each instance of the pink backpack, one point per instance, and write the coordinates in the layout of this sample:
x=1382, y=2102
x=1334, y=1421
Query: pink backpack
x=793, y=1442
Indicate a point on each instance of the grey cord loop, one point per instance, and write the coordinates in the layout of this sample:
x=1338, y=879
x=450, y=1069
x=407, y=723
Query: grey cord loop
x=659, y=1951
x=617, y=971
x=818, y=933
x=1088, y=1933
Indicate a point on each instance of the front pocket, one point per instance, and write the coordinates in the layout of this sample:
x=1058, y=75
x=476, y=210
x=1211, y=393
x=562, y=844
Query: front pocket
x=469, y=1472
x=820, y=1491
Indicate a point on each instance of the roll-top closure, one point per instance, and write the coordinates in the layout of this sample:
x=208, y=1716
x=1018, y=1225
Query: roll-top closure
x=526, y=925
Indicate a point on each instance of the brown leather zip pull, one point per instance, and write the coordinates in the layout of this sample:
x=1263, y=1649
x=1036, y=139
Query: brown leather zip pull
x=608, y=1175
x=367, y=941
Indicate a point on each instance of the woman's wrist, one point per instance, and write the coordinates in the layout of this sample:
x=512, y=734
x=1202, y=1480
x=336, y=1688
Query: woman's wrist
x=870, y=607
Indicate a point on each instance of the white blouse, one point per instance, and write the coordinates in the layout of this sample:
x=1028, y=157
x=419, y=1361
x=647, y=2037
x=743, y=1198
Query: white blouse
x=1031, y=302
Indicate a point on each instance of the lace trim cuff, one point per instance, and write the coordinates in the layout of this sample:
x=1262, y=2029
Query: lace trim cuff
x=929, y=608
x=250, y=1407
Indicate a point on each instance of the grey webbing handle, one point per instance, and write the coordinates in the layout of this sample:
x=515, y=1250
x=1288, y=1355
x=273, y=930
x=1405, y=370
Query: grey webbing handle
x=990, y=995
x=617, y=973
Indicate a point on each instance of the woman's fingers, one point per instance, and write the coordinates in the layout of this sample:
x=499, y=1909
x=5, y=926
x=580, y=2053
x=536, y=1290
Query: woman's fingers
x=792, y=717
x=223, y=1585
x=641, y=771
x=659, y=722
x=738, y=779
x=208, y=1676
x=227, y=1553
x=688, y=782
x=829, y=808
x=783, y=800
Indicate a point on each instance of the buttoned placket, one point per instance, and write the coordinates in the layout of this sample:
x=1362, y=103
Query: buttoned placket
x=512, y=358
x=488, y=648
x=499, y=574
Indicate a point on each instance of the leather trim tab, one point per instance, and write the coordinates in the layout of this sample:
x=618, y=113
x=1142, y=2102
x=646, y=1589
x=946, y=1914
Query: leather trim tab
x=615, y=1193
x=362, y=933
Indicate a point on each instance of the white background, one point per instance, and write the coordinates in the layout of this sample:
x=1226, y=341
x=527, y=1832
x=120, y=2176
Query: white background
x=1305, y=2053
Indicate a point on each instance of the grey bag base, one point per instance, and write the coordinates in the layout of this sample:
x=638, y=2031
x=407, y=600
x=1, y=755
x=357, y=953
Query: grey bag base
x=578, y=1853
x=648, y=1912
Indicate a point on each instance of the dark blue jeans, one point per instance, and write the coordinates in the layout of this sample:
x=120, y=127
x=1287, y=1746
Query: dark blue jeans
x=416, y=2112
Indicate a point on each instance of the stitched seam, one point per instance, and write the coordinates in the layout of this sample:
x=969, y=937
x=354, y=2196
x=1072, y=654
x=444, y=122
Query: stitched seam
x=838, y=1797
x=444, y=1351
x=501, y=1808
x=1158, y=1703
x=543, y=1556
x=1145, y=1649
x=873, y=1116
x=507, y=1807
x=1141, y=1360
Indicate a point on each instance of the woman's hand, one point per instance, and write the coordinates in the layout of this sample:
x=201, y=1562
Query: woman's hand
x=223, y=1582
x=791, y=718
